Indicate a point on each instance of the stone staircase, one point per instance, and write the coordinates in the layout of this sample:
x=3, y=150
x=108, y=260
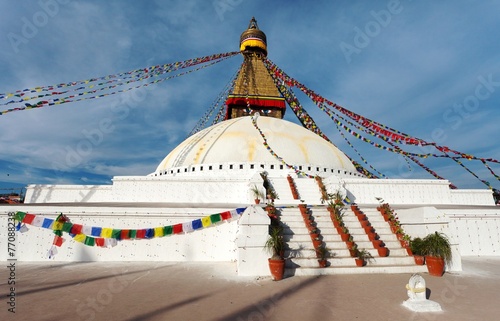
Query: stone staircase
x=300, y=253
x=301, y=257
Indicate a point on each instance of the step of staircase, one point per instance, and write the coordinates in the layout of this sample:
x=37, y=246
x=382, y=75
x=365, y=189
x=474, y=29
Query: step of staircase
x=333, y=270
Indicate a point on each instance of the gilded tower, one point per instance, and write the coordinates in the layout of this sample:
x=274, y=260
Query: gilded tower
x=254, y=90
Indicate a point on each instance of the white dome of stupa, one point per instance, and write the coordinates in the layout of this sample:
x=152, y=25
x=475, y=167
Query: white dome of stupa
x=238, y=141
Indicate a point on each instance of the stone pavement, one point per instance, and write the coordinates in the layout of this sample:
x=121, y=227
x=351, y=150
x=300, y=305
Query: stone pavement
x=213, y=291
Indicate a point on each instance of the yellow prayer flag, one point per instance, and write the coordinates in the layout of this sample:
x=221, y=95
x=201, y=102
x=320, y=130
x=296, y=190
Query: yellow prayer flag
x=57, y=225
x=80, y=238
x=106, y=232
x=205, y=221
x=158, y=231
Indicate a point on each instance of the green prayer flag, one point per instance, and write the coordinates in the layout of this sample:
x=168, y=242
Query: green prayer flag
x=167, y=230
x=90, y=241
x=67, y=227
x=132, y=234
x=214, y=218
x=116, y=234
x=20, y=216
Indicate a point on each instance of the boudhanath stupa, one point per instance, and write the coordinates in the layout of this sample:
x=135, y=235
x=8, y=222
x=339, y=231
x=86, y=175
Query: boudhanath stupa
x=199, y=204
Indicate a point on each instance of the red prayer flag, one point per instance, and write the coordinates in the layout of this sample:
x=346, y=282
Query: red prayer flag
x=141, y=234
x=28, y=218
x=124, y=234
x=177, y=228
x=58, y=241
x=225, y=215
x=99, y=241
x=76, y=229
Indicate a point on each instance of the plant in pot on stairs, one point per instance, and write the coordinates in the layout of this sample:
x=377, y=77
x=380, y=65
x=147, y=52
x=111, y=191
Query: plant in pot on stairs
x=275, y=245
x=322, y=253
x=416, y=247
x=362, y=256
x=437, y=250
x=257, y=194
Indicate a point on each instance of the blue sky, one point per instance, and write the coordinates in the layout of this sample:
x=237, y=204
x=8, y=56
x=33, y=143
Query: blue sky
x=430, y=69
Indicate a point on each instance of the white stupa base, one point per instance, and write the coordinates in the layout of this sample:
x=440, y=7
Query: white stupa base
x=422, y=305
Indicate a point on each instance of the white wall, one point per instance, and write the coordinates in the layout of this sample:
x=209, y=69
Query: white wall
x=215, y=243
x=413, y=192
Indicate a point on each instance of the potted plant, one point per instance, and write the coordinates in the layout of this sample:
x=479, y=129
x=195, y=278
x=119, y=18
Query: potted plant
x=416, y=246
x=322, y=254
x=344, y=233
x=276, y=246
x=257, y=193
x=314, y=233
x=362, y=256
x=437, y=251
x=317, y=242
x=353, y=250
x=382, y=251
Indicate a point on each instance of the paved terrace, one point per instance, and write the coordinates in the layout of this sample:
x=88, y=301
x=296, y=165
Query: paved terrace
x=213, y=291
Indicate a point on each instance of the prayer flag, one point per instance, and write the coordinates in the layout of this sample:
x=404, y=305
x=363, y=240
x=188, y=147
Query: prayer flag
x=205, y=221
x=187, y=227
x=214, y=218
x=99, y=241
x=47, y=223
x=197, y=224
x=106, y=232
x=76, y=229
x=177, y=228
x=28, y=218
x=96, y=231
x=80, y=238
x=158, y=231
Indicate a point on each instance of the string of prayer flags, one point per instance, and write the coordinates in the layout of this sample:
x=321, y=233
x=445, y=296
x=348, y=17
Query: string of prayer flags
x=108, y=237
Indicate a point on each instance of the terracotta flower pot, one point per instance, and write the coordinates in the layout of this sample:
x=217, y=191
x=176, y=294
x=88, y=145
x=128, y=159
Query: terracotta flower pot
x=309, y=223
x=344, y=236
x=359, y=262
x=368, y=229
x=257, y=201
x=322, y=263
x=408, y=250
x=317, y=243
x=354, y=208
x=349, y=244
x=419, y=259
x=372, y=236
x=435, y=265
x=314, y=236
x=377, y=244
x=352, y=253
x=394, y=228
x=277, y=268
x=364, y=223
x=383, y=251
